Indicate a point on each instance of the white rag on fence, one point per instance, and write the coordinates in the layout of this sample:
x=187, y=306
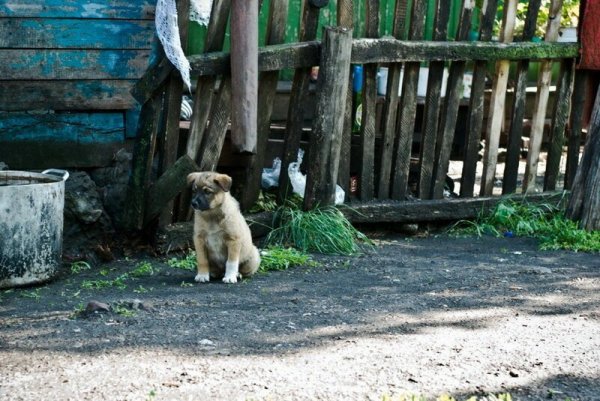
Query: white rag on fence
x=167, y=30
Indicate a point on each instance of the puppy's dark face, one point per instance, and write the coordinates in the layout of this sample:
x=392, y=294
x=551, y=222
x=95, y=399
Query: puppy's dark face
x=208, y=189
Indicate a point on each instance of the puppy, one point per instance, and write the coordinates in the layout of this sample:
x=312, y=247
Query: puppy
x=222, y=238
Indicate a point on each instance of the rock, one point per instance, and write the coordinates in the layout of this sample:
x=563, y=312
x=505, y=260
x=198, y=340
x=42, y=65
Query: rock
x=97, y=307
x=537, y=270
x=205, y=342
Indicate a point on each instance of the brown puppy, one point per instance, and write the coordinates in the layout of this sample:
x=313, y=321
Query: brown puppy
x=222, y=237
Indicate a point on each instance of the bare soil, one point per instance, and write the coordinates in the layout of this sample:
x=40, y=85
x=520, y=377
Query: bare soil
x=423, y=316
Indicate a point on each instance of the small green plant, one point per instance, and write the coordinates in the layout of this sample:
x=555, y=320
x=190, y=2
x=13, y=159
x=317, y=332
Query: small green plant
x=187, y=263
x=143, y=269
x=545, y=222
x=118, y=282
x=141, y=289
x=123, y=311
x=323, y=230
x=79, y=266
x=186, y=284
x=266, y=202
x=279, y=258
x=33, y=294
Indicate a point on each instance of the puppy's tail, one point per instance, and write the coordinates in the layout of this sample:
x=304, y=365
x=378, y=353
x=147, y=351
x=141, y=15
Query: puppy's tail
x=250, y=266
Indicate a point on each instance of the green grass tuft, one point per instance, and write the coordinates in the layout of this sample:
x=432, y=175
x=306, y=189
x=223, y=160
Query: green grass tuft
x=187, y=263
x=322, y=230
x=545, y=222
x=278, y=258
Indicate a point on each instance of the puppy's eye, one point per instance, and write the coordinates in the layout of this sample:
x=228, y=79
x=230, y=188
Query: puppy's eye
x=207, y=191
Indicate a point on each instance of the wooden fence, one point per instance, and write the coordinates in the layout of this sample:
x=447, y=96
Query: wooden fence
x=382, y=154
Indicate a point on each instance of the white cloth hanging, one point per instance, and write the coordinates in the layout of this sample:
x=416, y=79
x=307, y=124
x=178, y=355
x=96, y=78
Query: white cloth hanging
x=200, y=11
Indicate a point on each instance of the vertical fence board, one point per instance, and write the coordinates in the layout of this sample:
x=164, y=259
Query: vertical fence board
x=474, y=127
x=390, y=109
x=515, y=130
x=497, y=100
x=267, y=88
x=297, y=106
x=559, y=123
x=369, y=102
x=212, y=144
x=326, y=137
x=541, y=101
x=345, y=19
x=433, y=104
x=575, y=123
x=408, y=107
x=454, y=93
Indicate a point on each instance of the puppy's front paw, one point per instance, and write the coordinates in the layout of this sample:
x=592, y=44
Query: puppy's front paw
x=230, y=278
x=202, y=278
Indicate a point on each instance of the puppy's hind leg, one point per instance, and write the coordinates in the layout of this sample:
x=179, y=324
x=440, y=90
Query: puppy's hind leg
x=250, y=266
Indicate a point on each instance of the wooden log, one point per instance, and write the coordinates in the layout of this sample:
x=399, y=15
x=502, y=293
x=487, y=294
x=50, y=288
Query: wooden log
x=278, y=11
x=575, y=126
x=454, y=93
x=408, y=108
x=345, y=19
x=390, y=110
x=515, y=130
x=326, y=136
x=153, y=79
x=169, y=138
x=433, y=105
x=475, y=123
x=366, y=178
x=167, y=187
x=139, y=178
x=584, y=203
x=244, y=74
x=212, y=145
x=496, y=111
x=387, y=50
x=562, y=108
x=541, y=102
x=203, y=97
x=297, y=105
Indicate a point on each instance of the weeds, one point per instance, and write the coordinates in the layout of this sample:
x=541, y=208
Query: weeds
x=545, y=222
x=79, y=266
x=279, y=258
x=322, y=230
x=124, y=311
x=33, y=294
x=141, y=270
x=187, y=263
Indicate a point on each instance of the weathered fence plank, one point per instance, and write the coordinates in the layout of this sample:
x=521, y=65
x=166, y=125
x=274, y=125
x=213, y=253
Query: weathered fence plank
x=497, y=100
x=454, y=93
x=390, y=110
x=408, y=108
x=474, y=126
x=278, y=11
x=326, y=136
x=575, y=126
x=366, y=168
x=55, y=33
x=515, y=130
x=386, y=50
x=433, y=104
x=297, y=105
x=541, y=101
x=116, y=9
x=562, y=107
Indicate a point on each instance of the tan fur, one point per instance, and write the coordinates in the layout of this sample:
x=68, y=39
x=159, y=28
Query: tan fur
x=221, y=234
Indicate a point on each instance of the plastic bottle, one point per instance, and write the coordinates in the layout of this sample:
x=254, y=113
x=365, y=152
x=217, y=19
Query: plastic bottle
x=357, y=89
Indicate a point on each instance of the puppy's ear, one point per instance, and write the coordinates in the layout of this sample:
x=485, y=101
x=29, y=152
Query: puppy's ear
x=191, y=178
x=223, y=181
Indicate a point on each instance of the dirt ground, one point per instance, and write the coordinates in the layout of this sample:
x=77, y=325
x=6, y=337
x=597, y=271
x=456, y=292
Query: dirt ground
x=423, y=316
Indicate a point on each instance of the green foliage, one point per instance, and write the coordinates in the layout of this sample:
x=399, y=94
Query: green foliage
x=142, y=269
x=187, y=263
x=124, y=311
x=33, y=294
x=279, y=258
x=79, y=266
x=267, y=202
x=545, y=222
x=569, y=16
x=323, y=230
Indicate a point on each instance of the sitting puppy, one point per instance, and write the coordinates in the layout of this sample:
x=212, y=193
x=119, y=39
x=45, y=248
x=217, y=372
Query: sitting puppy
x=222, y=237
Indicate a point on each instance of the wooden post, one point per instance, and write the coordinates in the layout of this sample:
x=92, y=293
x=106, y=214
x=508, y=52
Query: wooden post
x=454, y=94
x=345, y=19
x=541, y=102
x=474, y=126
x=244, y=74
x=328, y=125
x=515, y=130
x=562, y=107
x=584, y=203
x=575, y=125
x=497, y=99
x=390, y=110
x=366, y=179
x=408, y=107
x=433, y=104
x=297, y=106
x=267, y=88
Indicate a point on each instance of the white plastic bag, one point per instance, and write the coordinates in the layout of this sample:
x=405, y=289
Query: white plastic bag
x=270, y=176
x=298, y=180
